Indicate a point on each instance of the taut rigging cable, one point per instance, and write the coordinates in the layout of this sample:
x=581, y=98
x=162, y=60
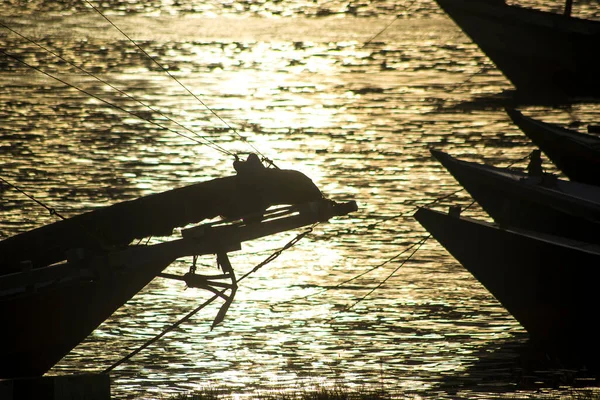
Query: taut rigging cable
x=380, y=284
x=242, y=138
x=214, y=146
x=51, y=210
x=189, y=315
x=419, y=243
x=111, y=86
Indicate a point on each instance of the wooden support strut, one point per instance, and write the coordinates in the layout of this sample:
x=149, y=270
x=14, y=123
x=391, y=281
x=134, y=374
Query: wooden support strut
x=200, y=240
x=229, y=237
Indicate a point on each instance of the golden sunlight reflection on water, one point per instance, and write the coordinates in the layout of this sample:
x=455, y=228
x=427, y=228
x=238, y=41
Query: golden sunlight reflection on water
x=344, y=303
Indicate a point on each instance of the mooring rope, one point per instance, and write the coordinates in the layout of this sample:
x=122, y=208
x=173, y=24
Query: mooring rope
x=380, y=284
x=51, y=210
x=190, y=314
x=242, y=138
x=417, y=244
x=101, y=241
x=403, y=214
x=215, y=147
x=381, y=31
x=120, y=91
x=340, y=284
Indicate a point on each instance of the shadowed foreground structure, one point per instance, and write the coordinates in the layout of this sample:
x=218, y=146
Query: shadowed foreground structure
x=48, y=308
x=547, y=283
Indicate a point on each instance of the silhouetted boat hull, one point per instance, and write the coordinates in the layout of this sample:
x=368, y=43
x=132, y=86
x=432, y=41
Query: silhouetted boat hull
x=41, y=325
x=548, y=284
x=115, y=226
x=576, y=154
x=47, y=311
x=61, y=281
x=543, y=203
x=541, y=53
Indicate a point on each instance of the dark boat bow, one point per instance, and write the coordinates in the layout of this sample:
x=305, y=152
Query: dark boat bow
x=55, y=288
x=575, y=153
x=544, y=55
x=548, y=284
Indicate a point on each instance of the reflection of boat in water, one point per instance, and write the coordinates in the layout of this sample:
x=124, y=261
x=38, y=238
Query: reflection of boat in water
x=541, y=53
x=575, y=153
x=542, y=203
x=60, y=281
x=548, y=283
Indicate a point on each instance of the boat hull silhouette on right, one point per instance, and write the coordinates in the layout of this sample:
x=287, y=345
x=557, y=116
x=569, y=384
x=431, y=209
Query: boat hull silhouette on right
x=547, y=283
x=543, y=54
x=542, y=203
x=575, y=153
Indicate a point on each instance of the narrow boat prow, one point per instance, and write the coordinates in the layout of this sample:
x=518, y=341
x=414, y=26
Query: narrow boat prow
x=548, y=283
x=546, y=56
x=61, y=281
x=575, y=153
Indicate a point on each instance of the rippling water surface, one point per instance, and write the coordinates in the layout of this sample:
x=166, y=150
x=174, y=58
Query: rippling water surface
x=352, y=94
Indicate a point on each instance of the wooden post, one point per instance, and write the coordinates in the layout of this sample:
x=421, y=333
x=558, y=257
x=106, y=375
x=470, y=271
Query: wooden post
x=568, y=7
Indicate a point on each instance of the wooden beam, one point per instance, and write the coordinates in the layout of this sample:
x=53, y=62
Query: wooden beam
x=568, y=7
